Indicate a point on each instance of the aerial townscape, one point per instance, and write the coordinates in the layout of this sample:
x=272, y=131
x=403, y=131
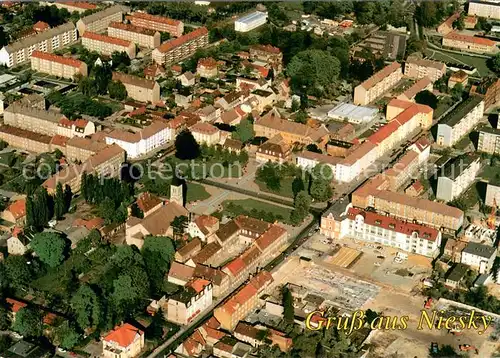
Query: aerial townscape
x=250, y=180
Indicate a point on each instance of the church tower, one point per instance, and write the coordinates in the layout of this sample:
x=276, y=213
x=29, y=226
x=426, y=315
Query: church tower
x=177, y=190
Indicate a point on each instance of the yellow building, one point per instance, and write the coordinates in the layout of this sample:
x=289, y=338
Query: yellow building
x=378, y=84
x=139, y=88
x=56, y=65
x=106, y=45
x=139, y=35
x=125, y=341
x=419, y=68
x=469, y=43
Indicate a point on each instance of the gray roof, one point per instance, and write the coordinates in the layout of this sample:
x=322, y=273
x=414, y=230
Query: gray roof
x=455, y=116
x=252, y=17
x=490, y=130
x=96, y=16
x=42, y=36
x=454, y=169
x=338, y=208
x=42, y=114
x=481, y=250
x=458, y=273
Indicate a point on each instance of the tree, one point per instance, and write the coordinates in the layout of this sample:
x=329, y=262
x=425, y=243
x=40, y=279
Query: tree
x=102, y=75
x=4, y=37
x=301, y=205
x=120, y=59
x=18, y=271
x=117, y=90
x=50, y=247
x=494, y=63
x=158, y=252
x=301, y=117
x=28, y=322
x=428, y=98
x=87, y=307
x=186, y=147
x=107, y=210
x=4, y=317
x=457, y=92
x=269, y=174
x=59, y=202
x=297, y=185
x=244, y=131
x=87, y=86
x=459, y=23
x=313, y=148
x=40, y=208
x=288, y=309
x=66, y=336
x=68, y=196
x=179, y=225
x=295, y=105
x=321, y=177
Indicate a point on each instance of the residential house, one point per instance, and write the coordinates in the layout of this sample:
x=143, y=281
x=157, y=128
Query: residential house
x=203, y=226
x=187, y=79
x=274, y=150
x=479, y=257
x=124, y=341
x=19, y=242
x=423, y=84
x=15, y=213
x=456, y=275
x=207, y=67
x=378, y=84
x=205, y=133
x=459, y=77
x=447, y=26
x=187, y=304
x=181, y=273
x=138, y=88
x=180, y=48
x=189, y=250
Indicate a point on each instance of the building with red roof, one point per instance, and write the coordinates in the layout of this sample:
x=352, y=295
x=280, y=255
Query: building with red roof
x=72, y=6
x=156, y=23
x=207, y=133
x=194, y=299
x=182, y=47
x=378, y=84
x=141, y=36
x=106, y=45
x=124, y=341
x=41, y=26
x=207, y=67
x=469, y=43
x=15, y=212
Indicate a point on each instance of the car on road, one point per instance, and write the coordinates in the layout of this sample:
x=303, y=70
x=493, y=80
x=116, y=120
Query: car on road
x=434, y=348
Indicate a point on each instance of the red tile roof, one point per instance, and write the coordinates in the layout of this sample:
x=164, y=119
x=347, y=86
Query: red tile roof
x=79, y=4
x=147, y=201
x=18, y=209
x=131, y=28
x=204, y=127
x=380, y=75
x=169, y=45
x=198, y=284
x=105, y=38
x=236, y=266
x=94, y=223
x=207, y=62
x=41, y=26
x=269, y=237
x=266, y=48
x=123, y=335
x=470, y=39
x=154, y=18
x=56, y=58
x=59, y=140
x=16, y=305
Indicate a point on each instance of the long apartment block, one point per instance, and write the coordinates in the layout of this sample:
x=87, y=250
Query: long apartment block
x=99, y=21
x=180, y=48
x=157, y=23
x=106, y=45
x=141, y=36
x=50, y=40
x=489, y=140
x=457, y=176
x=378, y=84
x=56, y=65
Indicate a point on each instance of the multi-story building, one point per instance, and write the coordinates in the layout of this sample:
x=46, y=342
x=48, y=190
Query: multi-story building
x=141, y=36
x=245, y=300
x=250, y=21
x=99, y=21
x=72, y=6
x=78, y=128
x=469, y=43
x=380, y=229
x=423, y=84
x=457, y=176
x=419, y=68
x=81, y=149
x=492, y=195
x=25, y=140
x=190, y=302
x=308, y=160
x=273, y=124
x=479, y=257
x=157, y=23
x=47, y=41
x=105, y=163
x=274, y=150
x=205, y=133
x=447, y=26
x=460, y=121
x=376, y=194
x=180, y=48
x=56, y=65
x=207, y=67
x=124, y=341
x=378, y=84
x=357, y=162
x=142, y=142
x=489, y=140
x=488, y=9
x=106, y=45
x=269, y=54
x=138, y=88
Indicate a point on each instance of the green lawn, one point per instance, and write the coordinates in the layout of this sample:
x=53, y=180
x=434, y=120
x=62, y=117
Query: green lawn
x=478, y=62
x=252, y=204
x=195, y=192
x=285, y=189
x=444, y=104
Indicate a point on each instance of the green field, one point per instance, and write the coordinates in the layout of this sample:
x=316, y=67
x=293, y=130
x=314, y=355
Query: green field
x=196, y=192
x=478, y=62
x=285, y=188
x=252, y=205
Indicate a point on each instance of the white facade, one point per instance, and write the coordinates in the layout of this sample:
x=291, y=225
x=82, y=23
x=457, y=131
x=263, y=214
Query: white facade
x=479, y=257
x=250, y=22
x=457, y=178
x=352, y=113
x=183, y=312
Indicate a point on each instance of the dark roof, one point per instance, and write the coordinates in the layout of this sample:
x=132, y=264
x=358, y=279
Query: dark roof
x=490, y=130
x=184, y=295
x=476, y=249
x=454, y=169
x=455, y=116
x=227, y=230
x=458, y=273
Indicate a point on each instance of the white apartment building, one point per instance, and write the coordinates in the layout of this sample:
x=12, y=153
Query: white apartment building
x=356, y=163
x=99, y=21
x=56, y=65
x=189, y=303
x=47, y=41
x=139, y=35
x=489, y=140
x=479, y=257
x=308, y=160
x=106, y=45
x=486, y=9
x=142, y=142
x=378, y=84
x=250, y=22
x=493, y=195
x=419, y=68
x=457, y=177
x=460, y=121
x=380, y=229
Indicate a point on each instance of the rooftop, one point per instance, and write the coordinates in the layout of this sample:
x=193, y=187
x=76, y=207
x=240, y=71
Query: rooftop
x=123, y=335
x=155, y=18
x=470, y=39
x=349, y=110
x=39, y=37
x=481, y=250
x=105, y=38
x=455, y=168
x=456, y=115
x=252, y=17
x=380, y=75
x=104, y=13
x=169, y=45
x=132, y=28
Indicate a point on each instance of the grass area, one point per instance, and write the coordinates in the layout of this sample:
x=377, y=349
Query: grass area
x=444, y=104
x=285, y=189
x=206, y=169
x=114, y=105
x=477, y=62
x=195, y=192
x=491, y=173
x=253, y=206
x=468, y=199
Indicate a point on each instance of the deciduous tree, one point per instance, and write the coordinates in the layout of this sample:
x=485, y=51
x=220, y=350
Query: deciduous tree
x=87, y=307
x=50, y=247
x=28, y=322
x=186, y=147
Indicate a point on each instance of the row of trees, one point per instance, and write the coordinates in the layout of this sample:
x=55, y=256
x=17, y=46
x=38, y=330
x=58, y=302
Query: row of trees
x=41, y=207
x=101, y=82
x=74, y=106
x=268, y=216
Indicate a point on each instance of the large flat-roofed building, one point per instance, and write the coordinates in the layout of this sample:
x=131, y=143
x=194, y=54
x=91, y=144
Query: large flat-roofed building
x=378, y=84
x=56, y=65
x=250, y=21
x=47, y=41
x=460, y=121
x=106, y=45
x=99, y=21
x=489, y=140
x=72, y=6
x=157, y=23
x=352, y=113
x=180, y=48
x=469, y=43
x=139, y=88
x=139, y=35
x=419, y=68
x=457, y=176
x=490, y=10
